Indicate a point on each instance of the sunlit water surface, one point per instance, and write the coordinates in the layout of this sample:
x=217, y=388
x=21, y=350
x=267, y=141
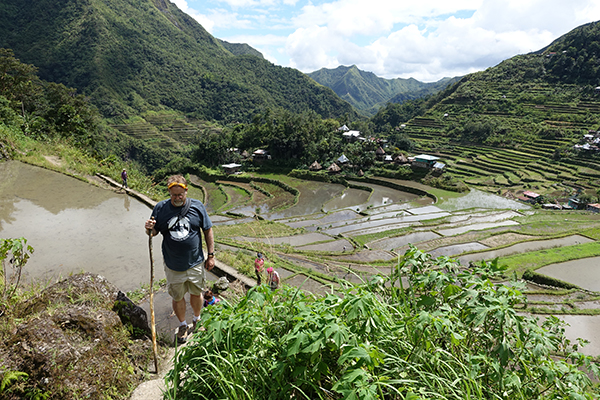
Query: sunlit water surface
x=74, y=226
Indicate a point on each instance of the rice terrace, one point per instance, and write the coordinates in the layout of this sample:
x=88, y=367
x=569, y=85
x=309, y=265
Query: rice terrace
x=326, y=232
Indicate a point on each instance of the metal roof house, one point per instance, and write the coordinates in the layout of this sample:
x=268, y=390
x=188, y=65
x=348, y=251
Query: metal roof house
x=595, y=208
x=351, y=135
x=343, y=159
x=231, y=168
x=260, y=156
x=425, y=161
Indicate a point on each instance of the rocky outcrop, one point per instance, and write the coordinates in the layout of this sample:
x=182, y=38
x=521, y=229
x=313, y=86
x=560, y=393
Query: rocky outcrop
x=132, y=316
x=72, y=345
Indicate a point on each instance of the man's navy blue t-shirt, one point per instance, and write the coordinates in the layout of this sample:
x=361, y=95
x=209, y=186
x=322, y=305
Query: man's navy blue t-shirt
x=182, y=241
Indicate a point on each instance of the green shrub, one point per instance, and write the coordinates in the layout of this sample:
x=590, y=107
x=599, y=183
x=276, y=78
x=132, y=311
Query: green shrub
x=450, y=334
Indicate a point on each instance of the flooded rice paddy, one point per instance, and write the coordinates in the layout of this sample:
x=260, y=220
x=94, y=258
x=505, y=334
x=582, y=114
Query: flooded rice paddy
x=74, y=226
x=479, y=199
x=584, y=272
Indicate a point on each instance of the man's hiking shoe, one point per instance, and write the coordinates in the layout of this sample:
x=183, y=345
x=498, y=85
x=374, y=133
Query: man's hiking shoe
x=192, y=328
x=195, y=325
x=181, y=334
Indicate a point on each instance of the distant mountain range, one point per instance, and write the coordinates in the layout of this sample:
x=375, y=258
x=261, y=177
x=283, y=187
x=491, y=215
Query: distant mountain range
x=135, y=56
x=368, y=92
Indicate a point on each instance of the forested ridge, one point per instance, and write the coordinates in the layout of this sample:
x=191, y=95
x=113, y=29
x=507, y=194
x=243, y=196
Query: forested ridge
x=368, y=92
x=134, y=56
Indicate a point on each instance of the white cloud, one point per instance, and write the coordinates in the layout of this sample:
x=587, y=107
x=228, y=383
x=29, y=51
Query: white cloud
x=419, y=39
x=308, y=48
x=425, y=39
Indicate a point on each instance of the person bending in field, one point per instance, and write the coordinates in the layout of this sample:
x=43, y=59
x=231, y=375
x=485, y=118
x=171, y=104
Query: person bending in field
x=272, y=278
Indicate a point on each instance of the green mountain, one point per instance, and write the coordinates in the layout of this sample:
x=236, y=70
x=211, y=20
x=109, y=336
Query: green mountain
x=135, y=56
x=367, y=92
x=515, y=126
x=240, y=49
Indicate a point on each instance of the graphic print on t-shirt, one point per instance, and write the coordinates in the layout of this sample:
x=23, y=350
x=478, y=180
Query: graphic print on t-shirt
x=179, y=228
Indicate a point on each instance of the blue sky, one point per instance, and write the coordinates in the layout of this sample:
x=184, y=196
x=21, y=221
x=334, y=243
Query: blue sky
x=422, y=39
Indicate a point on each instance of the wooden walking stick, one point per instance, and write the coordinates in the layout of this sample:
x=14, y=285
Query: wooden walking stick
x=152, y=321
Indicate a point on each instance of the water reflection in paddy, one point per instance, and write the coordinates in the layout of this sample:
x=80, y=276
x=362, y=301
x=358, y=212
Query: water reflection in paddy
x=349, y=198
x=74, y=227
x=383, y=195
x=479, y=199
x=312, y=197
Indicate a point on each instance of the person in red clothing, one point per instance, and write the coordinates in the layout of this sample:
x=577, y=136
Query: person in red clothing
x=259, y=267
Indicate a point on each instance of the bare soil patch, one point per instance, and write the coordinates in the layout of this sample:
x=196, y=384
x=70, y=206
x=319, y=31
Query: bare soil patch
x=504, y=239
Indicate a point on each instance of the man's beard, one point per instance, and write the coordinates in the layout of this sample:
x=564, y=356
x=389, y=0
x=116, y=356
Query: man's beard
x=178, y=203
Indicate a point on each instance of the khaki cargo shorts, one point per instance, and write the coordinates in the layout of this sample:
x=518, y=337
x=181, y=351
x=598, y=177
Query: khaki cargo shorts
x=190, y=281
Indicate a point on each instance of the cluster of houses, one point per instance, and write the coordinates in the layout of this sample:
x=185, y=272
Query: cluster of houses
x=590, y=141
x=420, y=161
x=258, y=156
x=573, y=204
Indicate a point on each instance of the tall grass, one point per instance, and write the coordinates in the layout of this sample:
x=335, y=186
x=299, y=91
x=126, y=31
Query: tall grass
x=448, y=334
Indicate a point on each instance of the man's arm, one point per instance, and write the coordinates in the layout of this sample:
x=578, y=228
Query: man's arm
x=210, y=249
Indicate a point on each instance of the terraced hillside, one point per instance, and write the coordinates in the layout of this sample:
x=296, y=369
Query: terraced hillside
x=165, y=130
x=509, y=138
x=332, y=234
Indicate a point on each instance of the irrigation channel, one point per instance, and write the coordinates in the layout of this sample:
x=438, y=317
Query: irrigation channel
x=76, y=226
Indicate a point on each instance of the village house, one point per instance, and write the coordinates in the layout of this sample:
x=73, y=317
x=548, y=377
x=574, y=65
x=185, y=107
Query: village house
x=401, y=159
x=439, y=166
x=351, y=136
x=232, y=168
x=260, y=155
x=530, y=197
x=315, y=166
x=575, y=203
x=425, y=161
x=595, y=208
x=333, y=168
x=591, y=141
x=343, y=159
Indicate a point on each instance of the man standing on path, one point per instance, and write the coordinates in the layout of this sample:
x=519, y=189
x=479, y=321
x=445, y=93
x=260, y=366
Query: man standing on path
x=180, y=221
x=124, y=179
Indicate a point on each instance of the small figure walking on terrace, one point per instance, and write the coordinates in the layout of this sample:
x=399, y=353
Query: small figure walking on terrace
x=124, y=179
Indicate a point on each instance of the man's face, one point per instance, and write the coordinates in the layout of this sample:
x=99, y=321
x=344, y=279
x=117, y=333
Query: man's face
x=178, y=195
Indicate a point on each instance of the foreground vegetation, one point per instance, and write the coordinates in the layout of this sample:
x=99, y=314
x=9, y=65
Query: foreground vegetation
x=450, y=334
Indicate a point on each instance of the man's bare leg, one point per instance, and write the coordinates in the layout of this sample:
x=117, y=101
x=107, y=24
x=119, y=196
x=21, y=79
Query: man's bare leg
x=196, y=301
x=179, y=309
